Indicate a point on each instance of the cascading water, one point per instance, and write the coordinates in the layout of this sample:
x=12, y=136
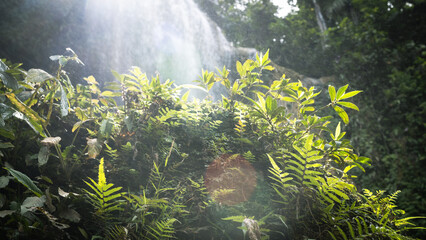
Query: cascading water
x=172, y=37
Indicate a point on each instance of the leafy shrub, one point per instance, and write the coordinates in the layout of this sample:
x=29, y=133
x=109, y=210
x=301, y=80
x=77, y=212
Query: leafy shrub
x=156, y=146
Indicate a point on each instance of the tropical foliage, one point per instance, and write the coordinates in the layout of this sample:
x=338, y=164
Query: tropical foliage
x=154, y=148
x=376, y=46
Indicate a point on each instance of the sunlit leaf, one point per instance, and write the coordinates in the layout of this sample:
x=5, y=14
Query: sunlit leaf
x=240, y=69
x=288, y=99
x=31, y=114
x=332, y=92
x=265, y=57
x=341, y=91
x=37, y=127
x=349, y=94
x=342, y=114
x=337, y=132
x=348, y=105
x=37, y=75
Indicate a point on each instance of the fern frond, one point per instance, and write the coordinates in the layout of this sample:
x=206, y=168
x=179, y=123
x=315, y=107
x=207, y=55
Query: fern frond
x=101, y=174
x=104, y=198
x=116, y=232
x=162, y=229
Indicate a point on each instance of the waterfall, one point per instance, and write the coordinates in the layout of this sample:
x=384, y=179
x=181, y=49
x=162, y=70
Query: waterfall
x=320, y=19
x=172, y=37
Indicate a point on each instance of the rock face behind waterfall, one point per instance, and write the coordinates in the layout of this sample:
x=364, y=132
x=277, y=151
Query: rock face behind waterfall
x=172, y=37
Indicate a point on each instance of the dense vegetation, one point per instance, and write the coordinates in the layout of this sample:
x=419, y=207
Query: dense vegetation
x=377, y=46
x=75, y=164
x=78, y=165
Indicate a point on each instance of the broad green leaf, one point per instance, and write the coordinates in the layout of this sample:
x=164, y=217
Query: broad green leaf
x=271, y=104
x=25, y=180
x=349, y=94
x=347, y=168
x=37, y=75
x=341, y=91
x=342, y=114
x=235, y=87
x=32, y=202
x=240, y=69
x=106, y=127
x=31, y=114
x=332, y=92
x=81, y=115
x=288, y=99
x=337, y=132
x=37, y=127
x=269, y=68
x=265, y=57
x=9, y=80
x=77, y=125
x=348, y=105
x=43, y=155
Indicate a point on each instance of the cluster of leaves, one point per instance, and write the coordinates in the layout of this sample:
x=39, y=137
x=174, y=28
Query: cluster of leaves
x=156, y=145
x=377, y=46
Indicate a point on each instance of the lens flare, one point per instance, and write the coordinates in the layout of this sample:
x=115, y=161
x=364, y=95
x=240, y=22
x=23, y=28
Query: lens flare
x=230, y=179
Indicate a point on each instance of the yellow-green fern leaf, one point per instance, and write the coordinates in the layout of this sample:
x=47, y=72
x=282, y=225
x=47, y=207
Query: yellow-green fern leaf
x=101, y=175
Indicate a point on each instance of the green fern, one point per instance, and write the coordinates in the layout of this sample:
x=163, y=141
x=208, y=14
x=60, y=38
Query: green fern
x=117, y=232
x=104, y=197
x=162, y=229
x=374, y=218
